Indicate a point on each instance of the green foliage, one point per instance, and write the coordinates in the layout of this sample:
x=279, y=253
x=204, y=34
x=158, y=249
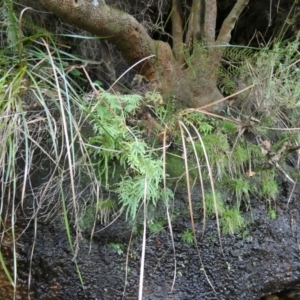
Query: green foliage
x=175, y=165
x=112, y=136
x=117, y=247
x=107, y=206
x=240, y=155
x=269, y=187
x=205, y=128
x=36, y=75
x=228, y=74
x=213, y=206
x=187, y=237
x=272, y=214
x=133, y=190
x=203, y=124
x=241, y=188
x=10, y=23
x=114, y=140
x=155, y=226
x=40, y=115
x=274, y=73
x=232, y=221
x=255, y=154
x=235, y=151
x=88, y=219
x=161, y=109
x=281, y=66
x=240, y=166
x=101, y=209
x=4, y=267
x=228, y=127
x=217, y=147
x=231, y=218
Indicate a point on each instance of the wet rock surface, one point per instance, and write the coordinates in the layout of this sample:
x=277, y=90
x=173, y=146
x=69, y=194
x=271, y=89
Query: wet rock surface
x=264, y=261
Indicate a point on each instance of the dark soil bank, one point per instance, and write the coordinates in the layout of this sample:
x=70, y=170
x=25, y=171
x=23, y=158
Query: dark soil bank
x=264, y=261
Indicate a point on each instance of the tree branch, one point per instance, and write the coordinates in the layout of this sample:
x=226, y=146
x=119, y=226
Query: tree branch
x=189, y=33
x=196, y=12
x=210, y=21
x=118, y=27
x=229, y=23
x=177, y=31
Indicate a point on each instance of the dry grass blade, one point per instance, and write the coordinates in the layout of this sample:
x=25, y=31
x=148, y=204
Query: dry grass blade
x=68, y=141
x=199, y=173
x=127, y=70
x=202, y=108
x=181, y=126
x=211, y=182
x=142, y=268
x=167, y=204
x=185, y=156
x=10, y=118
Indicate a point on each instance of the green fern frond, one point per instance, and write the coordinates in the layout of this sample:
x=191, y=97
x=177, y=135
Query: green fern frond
x=10, y=22
x=236, y=54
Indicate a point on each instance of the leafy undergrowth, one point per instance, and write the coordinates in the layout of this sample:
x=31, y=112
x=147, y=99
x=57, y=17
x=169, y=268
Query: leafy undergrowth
x=143, y=147
x=111, y=153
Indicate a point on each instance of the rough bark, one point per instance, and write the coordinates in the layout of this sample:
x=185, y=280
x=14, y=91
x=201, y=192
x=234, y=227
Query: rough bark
x=210, y=21
x=133, y=41
x=177, y=31
x=121, y=29
x=227, y=26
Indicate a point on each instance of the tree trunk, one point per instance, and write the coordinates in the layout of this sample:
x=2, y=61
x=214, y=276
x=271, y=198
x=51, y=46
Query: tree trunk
x=193, y=86
x=121, y=29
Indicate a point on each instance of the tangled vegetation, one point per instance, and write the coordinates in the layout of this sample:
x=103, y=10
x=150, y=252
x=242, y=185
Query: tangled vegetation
x=131, y=151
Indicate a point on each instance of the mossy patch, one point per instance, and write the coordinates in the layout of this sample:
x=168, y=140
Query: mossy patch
x=87, y=220
x=175, y=167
